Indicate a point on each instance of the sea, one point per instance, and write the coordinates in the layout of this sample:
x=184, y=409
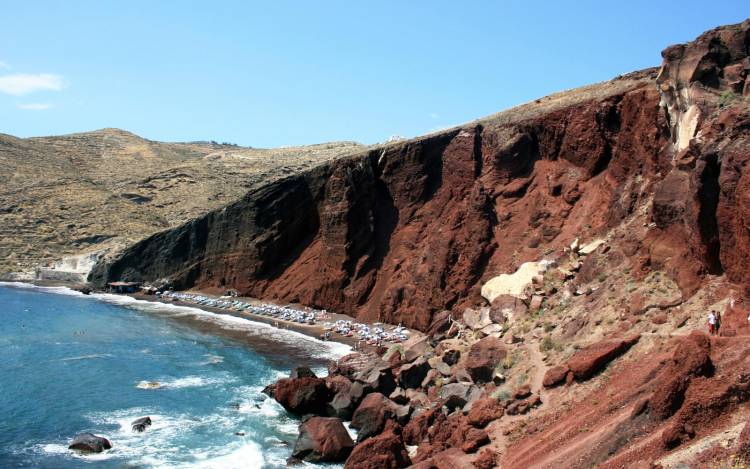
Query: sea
x=72, y=363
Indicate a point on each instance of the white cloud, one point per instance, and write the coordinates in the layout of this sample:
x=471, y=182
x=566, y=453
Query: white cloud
x=20, y=84
x=433, y=115
x=4, y=65
x=35, y=106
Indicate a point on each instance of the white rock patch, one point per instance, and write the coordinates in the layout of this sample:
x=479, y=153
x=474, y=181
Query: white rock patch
x=513, y=284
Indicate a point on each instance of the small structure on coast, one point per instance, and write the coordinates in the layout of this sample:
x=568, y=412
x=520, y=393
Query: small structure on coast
x=123, y=287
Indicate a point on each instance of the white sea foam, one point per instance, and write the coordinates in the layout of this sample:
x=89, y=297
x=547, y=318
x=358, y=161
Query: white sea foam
x=85, y=357
x=185, y=382
x=31, y=286
x=212, y=359
x=238, y=456
x=161, y=444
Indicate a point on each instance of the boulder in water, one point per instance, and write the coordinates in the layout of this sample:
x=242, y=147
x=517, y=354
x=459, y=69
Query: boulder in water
x=302, y=395
x=149, y=385
x=140, y=425
x=89, y=443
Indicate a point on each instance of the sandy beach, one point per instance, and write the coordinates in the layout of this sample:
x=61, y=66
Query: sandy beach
x=315, y=331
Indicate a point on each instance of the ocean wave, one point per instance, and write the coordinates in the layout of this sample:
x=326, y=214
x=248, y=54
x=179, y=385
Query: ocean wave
x=169, y=441
x=185, y=382
x=163, y=443
x=30, y=286
x=212, y=359
x=85, y=357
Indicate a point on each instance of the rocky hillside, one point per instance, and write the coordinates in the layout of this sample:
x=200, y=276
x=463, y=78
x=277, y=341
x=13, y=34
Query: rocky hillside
x=102, y=191
x=629, y=209
x=652, y=161
x=562, y=257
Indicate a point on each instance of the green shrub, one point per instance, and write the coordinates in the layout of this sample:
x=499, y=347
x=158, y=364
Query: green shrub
x=726, y=98
x=501, y=394
x=547, y=344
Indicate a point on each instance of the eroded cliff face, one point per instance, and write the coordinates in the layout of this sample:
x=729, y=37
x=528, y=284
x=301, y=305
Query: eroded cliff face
x=403, y=231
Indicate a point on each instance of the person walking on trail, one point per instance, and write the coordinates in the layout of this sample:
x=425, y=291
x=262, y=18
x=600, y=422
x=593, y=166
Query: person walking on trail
x=711, y=323
x=717, y=326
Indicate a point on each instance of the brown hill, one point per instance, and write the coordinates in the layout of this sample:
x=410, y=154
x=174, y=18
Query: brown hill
x=104, y=190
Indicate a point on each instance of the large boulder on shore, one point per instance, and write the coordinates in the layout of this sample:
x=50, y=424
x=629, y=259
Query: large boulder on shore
x=416, y=430
x=415, y=347
x=302, y=395
x=453, y=431
x=507, y=308
x=458, y=395
x=484, y=356
x=384, y=451
x=591, y=359
x=476, y=319
x=322, y=439
x=345, y=401
x=411, y=376
x=372, y=414
x=89, y=443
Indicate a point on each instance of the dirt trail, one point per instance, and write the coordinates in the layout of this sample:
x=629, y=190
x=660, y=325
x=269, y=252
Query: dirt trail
x=536, y=360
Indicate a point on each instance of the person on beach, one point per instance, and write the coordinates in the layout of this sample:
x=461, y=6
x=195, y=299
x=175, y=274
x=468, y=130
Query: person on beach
x=711, y=323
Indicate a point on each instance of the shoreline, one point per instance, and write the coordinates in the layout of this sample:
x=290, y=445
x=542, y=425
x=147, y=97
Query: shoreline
x=213, y=321
x=310, y=331
x=313, y=331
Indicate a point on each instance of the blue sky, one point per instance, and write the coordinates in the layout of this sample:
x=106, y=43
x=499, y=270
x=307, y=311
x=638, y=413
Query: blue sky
x=280, y=73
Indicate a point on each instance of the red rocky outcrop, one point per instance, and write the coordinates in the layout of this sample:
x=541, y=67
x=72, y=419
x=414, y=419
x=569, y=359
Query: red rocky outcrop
x=416, y=430
x=374, y=412
x=384, y=451
x=484, y=356
x=691, y=358
x=588, y=361
x=322, y=439
x=452, y=458
x=485, y=411
x=301, y=396
x=555, y=375
x=487, y=459
x=454, y=431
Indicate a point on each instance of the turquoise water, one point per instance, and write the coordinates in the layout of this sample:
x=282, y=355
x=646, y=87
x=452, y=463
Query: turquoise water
x=71, y=363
